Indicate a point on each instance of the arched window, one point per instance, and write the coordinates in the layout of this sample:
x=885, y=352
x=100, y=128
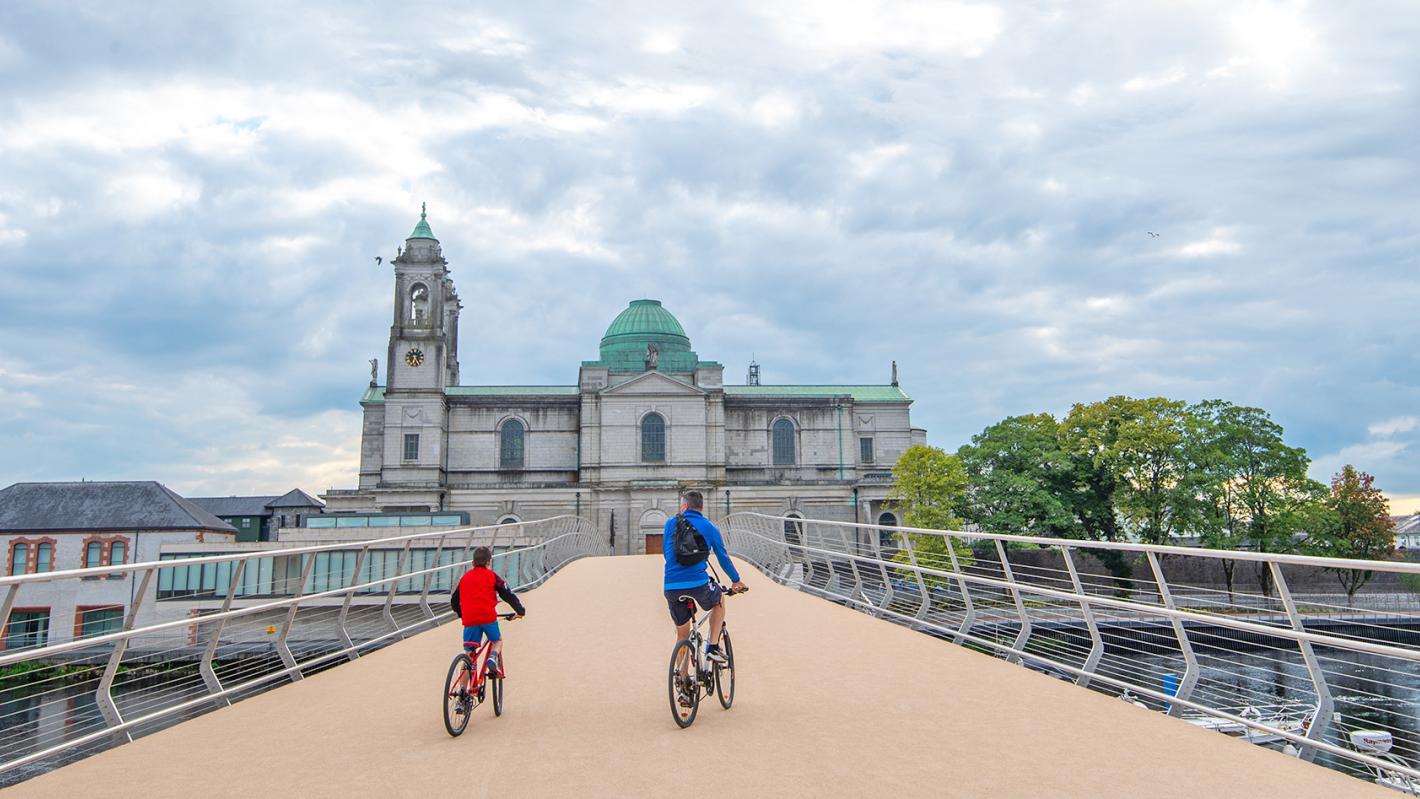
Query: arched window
x=118, y=553
x=653, y=438
x=783, y=433
x=419, y=304
x=887, y=539
x=19, y=558
x=93, y=554
x=44, y=557
x=509, y=520
x=510, y=447
x=793, y=530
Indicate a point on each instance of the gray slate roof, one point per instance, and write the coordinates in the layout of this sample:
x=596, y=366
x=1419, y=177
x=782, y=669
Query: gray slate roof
x=296, y=498
x=138, y=505
x=234, y=506
x=1406, y=526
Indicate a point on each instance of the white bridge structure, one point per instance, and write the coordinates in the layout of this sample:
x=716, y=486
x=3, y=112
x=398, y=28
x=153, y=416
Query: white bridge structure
x=1303, y=670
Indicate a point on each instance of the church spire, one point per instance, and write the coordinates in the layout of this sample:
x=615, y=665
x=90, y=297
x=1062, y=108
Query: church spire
x=421, y=230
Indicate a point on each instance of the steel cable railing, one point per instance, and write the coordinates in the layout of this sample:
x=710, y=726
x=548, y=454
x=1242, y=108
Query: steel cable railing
x=1272, y=663
x=199, y=649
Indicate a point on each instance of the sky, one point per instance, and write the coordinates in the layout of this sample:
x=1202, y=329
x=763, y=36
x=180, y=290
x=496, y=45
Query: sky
x=192, y=197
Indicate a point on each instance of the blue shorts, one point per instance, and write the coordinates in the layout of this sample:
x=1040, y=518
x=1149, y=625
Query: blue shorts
x=473, y=634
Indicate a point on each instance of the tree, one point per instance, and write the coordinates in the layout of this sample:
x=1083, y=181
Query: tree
x=1019, y=479
x=929, y=490
x=1360, y=527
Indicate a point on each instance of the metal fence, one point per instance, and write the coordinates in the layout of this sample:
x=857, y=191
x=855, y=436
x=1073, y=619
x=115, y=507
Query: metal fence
x=200, y=632
x=1221, y=639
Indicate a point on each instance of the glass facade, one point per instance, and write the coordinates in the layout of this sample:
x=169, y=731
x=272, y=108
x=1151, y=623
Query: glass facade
x=404, y=520
x=653, y=438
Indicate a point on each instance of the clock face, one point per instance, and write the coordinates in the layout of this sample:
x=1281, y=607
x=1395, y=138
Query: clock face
x=414, y=358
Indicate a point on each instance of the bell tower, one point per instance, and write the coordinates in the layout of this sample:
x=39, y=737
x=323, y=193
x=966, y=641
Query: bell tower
x=421, y=362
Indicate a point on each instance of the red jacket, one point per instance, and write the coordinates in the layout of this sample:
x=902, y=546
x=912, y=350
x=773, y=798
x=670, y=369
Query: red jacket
x=478, y=592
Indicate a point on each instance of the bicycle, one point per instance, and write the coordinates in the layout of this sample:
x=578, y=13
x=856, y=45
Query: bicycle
x=685, y=689
x=466, y=670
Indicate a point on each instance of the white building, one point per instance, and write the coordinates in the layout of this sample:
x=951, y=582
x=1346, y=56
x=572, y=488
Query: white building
x=644, y=421
x=46, y=527
x=1407, y=532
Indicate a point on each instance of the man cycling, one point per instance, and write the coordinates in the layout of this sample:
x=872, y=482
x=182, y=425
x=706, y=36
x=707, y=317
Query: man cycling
x=693, y=580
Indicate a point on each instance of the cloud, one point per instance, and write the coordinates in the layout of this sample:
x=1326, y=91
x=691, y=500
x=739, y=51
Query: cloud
x=192, y=200
x=1398, y=424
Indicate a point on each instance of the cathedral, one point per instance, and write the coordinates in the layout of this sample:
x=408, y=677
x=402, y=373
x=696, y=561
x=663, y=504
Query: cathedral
x=645, y=421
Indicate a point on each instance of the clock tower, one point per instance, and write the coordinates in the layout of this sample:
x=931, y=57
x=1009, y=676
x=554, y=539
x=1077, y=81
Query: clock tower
x=421, y=362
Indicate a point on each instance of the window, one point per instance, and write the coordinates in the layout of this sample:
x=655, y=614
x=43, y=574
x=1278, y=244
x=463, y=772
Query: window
x=510, y=446
x=93, y=554
x=411, y=446
x=783, y=442
x=19, y=558
x=27, y=628
x=44, y=557
x=887, y=539
x=118, y=553
x=99, y=621
x=865, y=450
x=653, y=438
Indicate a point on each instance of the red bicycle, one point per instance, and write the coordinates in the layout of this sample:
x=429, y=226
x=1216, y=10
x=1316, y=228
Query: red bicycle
x=468, y=685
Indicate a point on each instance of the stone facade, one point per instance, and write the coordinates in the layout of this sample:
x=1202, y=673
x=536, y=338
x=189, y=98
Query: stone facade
x=643, y=423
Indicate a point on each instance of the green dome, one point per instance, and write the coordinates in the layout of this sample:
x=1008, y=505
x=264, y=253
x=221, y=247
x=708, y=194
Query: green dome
x=646, y=322
x=421, y=230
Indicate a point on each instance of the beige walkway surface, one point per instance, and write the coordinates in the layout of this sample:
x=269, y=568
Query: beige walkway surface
x=830, y=703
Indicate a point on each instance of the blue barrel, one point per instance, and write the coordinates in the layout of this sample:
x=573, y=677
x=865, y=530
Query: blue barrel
x=1170, y=687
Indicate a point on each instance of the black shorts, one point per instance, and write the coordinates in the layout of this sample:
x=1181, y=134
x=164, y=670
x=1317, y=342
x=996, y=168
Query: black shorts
x=707, y=595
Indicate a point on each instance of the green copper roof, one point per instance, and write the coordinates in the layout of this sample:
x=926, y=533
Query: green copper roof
x=858, y=393
x=421, y=230
x=643, y=323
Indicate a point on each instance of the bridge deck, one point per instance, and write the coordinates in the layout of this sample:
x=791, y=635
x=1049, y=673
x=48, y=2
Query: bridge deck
x=830, y=703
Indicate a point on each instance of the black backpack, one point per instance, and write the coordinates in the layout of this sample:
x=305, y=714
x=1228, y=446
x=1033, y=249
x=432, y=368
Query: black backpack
x=687, y=543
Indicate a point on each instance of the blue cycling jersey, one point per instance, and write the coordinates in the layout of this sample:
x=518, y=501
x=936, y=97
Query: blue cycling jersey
x=678, y=576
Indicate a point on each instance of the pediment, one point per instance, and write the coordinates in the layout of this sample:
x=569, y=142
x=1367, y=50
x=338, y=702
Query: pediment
x=653, y=383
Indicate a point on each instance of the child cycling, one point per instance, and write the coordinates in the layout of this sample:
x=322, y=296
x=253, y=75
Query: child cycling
x=476, y=599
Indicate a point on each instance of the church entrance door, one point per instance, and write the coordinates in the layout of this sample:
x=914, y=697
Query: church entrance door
x=653, y=543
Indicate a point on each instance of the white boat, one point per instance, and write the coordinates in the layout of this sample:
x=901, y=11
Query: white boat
x=1289, y=718
x=1378, y=743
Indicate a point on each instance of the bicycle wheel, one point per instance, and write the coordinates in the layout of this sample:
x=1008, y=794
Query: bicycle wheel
x=458, y=705
x=725, y=675
x=684, y=689
x=496, y=686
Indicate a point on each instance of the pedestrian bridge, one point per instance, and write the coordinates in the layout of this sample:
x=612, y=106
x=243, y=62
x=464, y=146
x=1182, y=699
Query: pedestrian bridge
x=830, y=702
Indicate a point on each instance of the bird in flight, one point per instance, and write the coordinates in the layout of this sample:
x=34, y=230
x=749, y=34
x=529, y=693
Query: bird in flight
x=378, y=260
x=1152, y=234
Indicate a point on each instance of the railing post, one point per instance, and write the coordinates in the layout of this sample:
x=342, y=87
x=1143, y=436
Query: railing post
x=282, y=648
x=969, y=618
x=429, y=580
x=925, y=605
x=209, y=675
x=103, y=695
x=1024, y=634
x=852, y=557
x=1321, y=720
x=1096, y=642
x=8, y=605
x=875, y=538
x=394, y=586
x=341, y=620
x=1190, y=660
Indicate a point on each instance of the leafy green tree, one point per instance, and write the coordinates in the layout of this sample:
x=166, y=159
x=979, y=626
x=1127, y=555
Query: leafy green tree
x=1359, y=527
x=929, y=490
x=1019, y=479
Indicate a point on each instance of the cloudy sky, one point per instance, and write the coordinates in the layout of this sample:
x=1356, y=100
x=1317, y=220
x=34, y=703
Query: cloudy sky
x=192, y=197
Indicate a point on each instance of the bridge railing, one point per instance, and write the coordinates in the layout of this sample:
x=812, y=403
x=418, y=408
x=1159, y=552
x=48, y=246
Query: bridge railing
x=1269, y=648
x=195, y=633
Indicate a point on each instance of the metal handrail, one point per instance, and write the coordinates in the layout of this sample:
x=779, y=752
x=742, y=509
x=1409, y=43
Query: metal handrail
x=564, y=538
x=835, y=560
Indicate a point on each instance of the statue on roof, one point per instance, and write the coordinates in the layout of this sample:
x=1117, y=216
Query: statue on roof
x=894, y=373
x=653, y=357
x=374, y=371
